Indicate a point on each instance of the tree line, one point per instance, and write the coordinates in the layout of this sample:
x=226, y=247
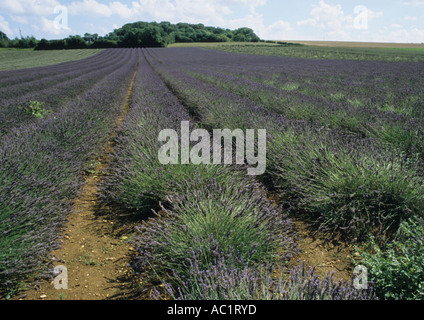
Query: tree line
x=20, y=43
x=138, y=34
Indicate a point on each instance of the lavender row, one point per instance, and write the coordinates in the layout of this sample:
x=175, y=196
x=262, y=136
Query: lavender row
x=13, y=110
x=396, y=79
x=37, y=79
x=381, y=98
x=42, y=172
x=13, y=77
x=214, y=224
x=138, y=182
x=349, y=182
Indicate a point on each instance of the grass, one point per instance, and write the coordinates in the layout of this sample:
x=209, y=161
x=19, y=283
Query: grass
x=407, y=49
x=13, y=59
x=315, y=52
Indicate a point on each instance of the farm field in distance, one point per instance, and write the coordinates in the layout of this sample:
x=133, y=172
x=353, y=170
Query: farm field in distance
x=322, y=50
x=82, y=185
x=12, y=59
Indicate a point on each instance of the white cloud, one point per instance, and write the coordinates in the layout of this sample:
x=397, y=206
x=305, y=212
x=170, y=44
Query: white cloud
x=89, y=7
x=39, y=13
x=409, y=18
x=400, y=35
x=52, y=27
x=326, y=16
x=396, y=26
x=28, y=7
x=157, y=9
x=4, y=26
x=413, y=2
x=279, y=30
x=11, y=6
x=337, y=24
x=19, y=19
x=276, y=31
x=191, y=11
x=34, y=14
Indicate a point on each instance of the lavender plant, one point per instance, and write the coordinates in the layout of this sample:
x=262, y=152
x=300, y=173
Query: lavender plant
x=342, y=169
x=60, y=84
x=223, y=282
x=208, y=211
x=42, y=171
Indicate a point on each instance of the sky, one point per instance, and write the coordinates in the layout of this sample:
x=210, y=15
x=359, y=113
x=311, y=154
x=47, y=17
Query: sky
x=330, y=20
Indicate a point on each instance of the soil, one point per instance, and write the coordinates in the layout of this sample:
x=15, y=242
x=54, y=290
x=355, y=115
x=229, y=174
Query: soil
x=326, y=255
x=93, y=251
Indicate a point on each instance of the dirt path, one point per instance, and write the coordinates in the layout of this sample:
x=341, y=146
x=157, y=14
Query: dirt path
x=325, y=255
x=96, y=259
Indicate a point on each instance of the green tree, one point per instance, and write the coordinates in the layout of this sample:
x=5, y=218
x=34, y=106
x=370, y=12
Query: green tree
x=149, y=36
x=245, y=35
x=4, y=40
x=90, y=38
x=75, y=42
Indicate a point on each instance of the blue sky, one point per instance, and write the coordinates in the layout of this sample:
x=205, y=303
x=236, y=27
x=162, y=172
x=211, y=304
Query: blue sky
x=373, y=20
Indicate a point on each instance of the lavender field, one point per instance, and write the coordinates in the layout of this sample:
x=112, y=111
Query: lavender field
x=345, y=153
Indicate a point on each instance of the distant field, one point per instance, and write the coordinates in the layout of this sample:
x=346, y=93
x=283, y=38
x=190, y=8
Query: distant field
x=221, y=44
x=11, y=59
x=323, y=50
x=346, y=44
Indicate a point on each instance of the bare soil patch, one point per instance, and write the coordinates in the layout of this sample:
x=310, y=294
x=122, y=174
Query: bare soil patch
x=326, y=255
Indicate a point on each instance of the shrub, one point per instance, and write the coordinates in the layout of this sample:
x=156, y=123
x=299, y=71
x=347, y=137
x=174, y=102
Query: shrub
x=223, y=282
x=358, y=188
x=398, y=270
x=37, y=109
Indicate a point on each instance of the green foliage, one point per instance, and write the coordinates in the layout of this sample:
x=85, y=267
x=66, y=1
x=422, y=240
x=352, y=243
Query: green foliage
x=150, y=36
x=137, y=34
x=229, y=220
x=4, y=40
x=161, y=34
x=22, y=43
x=72, y=42
x=36, y=109
x=3, y=36
x=75, y=42
x=90, y=38
x=345, y=188
x=398, y=270
x=245, y=35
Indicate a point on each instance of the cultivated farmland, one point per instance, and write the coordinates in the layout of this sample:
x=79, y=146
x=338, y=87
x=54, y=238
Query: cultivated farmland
x=12, y=59
x=344, y=161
